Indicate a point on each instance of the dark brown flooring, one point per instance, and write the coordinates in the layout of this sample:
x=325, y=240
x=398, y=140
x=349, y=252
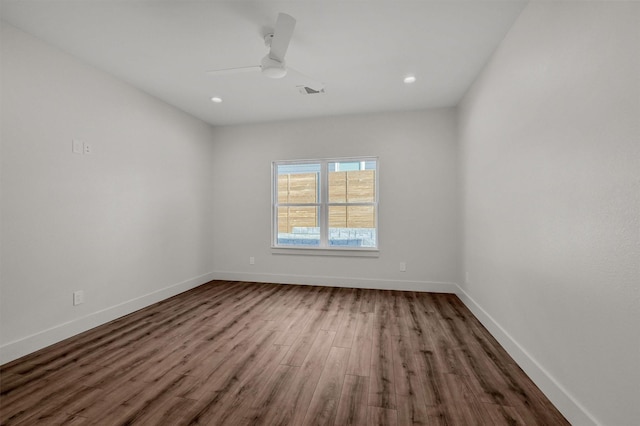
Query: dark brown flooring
x=245, y=353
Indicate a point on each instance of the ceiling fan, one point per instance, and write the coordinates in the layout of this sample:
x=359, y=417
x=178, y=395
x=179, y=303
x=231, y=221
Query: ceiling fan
x=273, y=65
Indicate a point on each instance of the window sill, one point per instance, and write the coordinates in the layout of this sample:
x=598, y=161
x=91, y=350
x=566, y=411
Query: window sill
x=315, y=251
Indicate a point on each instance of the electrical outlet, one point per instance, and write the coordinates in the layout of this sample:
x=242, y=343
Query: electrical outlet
x=87, y=148
x=403, y=266
x=78, y=297
x=252, y=260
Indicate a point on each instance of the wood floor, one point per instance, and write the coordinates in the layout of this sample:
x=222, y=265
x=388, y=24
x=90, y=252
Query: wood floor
x=230, y=353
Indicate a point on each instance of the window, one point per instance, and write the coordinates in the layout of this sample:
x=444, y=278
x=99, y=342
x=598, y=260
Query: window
x=326, y=204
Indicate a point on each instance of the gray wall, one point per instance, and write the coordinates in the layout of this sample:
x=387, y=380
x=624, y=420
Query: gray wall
x=130, y=223
x=418, y=199
x=550, y=155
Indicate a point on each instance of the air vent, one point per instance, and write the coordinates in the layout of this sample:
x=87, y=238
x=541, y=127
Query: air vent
x=306, y=90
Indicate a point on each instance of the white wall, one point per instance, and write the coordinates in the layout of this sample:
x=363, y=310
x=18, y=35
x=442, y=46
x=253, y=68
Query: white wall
x=129, y=223
x=550, y=154
x=418, y=204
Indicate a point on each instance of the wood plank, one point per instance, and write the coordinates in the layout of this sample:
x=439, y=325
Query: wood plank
x=46, y=392
x=409, y=389
x=353, y=407
x=434, y=387
x=368, y=301
x=379, y=416
x=503, y=415
x=334, y=308
x=269, y=392
x=382, y=385
x=235, y=403
x=360, y=357
x=399, y=310
x=286, y=302
x=347, y=327
x=302, y=345
x=300, y=348
x=291, y=407
x=462, y=405
x=232, y=368
x=49, y=410
x=347, y=330
x=324, y=403
x=128, y=403
x=294, y=327
x=296, y=319
x=171, y=411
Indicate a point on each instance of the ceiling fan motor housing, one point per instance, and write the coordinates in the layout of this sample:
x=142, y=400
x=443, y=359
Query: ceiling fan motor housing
x=273, y=68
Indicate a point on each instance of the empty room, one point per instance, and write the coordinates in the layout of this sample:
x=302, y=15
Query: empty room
x=320, y=212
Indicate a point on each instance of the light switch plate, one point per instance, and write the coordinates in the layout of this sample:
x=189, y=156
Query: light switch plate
x=78, y=297
x=77, y=147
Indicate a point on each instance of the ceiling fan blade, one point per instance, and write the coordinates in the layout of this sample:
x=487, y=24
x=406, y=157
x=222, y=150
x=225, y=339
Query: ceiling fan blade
x=282, y=36
x=229, y=71
x=316, y=85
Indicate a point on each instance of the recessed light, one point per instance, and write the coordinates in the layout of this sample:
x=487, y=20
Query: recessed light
x=410, y=79
x=216, y=99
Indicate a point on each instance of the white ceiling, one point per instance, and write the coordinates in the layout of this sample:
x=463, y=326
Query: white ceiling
x=360, y=50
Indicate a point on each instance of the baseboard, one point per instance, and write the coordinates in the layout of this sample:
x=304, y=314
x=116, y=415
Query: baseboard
x=331, y=281
x=26, y=345
x=557, y=394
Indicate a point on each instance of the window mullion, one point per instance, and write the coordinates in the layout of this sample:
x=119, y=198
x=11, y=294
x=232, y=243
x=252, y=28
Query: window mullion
x=324, y=197
x=274, y=204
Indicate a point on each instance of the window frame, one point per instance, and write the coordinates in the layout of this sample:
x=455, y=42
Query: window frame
x=323, y=205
